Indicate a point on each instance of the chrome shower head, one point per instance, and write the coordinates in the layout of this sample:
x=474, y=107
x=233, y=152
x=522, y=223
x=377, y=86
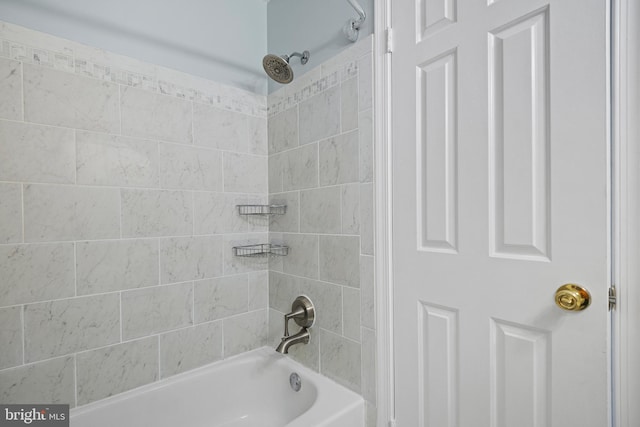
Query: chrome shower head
x=278, y=68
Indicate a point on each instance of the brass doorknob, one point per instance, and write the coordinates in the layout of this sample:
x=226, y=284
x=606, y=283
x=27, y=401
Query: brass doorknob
x=572, y=297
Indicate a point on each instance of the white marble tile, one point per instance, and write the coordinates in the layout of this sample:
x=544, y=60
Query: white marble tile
x=54, y=213
x=300, y=168
x=369, y=365
x=258, y=135
x=340, y=260
x=365, y=82
x=367, y=209
x=327, y=299
x=320, y=210
x=351, y=313
x=339, y=162
x=216, y=128
x=53, y=97
x=283, y=290
x=152, y=115
x=276, y=164
x=349, y=104
x=258, y=290
x=190, y=168
x=216, y=213
x=283, y=131
x=367, y=292
x=245, y=332
x=107, y=371
x=11, y=89
x=302, y=259
x=35, y=153
x=340, y=360
x=365, y=136
x=351, y=209
x=190, y=348
x=238, y=264
x=160, y=308
x=51, y=381
x=150, y=213
x=10, y=337
x=56, y=328
x=245, y=173
x=10, y=213
x=190, y=258
x=222, y=297
x=36, y=273
x=108, y=266
x=289, y=222
x=319, y=116
x=370, y=415
x=116, y=161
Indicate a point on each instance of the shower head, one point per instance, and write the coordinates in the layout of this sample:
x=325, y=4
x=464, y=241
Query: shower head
x=278, y=68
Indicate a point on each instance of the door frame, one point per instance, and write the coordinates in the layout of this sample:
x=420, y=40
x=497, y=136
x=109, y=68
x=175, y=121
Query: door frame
x=625, y=216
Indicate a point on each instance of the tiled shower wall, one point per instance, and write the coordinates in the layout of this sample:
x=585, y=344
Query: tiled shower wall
x=321, y=167
x=118, y=186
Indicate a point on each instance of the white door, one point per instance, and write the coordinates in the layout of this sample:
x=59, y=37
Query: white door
x=500, y=196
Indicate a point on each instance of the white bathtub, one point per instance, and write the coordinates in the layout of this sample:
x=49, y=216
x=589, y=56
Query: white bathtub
x=250, y=390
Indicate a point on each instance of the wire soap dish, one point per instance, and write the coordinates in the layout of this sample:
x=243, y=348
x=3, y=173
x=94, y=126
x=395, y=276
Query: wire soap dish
x=263, y=249
x=262, y=209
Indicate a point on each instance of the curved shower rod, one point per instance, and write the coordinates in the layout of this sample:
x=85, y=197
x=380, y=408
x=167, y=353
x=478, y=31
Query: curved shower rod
x=352, y=27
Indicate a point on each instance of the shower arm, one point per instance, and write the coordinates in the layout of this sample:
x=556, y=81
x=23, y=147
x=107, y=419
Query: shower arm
x=304, y=56
x=362, y=16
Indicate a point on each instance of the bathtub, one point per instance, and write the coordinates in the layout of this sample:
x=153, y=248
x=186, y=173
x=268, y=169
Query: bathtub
x=249, y=390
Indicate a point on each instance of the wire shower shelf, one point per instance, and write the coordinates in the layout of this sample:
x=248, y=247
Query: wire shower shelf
x=263, y=249
x=262, y=209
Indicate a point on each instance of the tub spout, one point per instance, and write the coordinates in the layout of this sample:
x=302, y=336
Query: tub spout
x=301, y=337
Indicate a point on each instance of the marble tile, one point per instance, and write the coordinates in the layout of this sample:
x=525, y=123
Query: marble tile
x=11, y=89
x=340, y=360
x=157, y=309
x=302, y=259
x=51, y=381
x=57, y=98
x=109, y=266
x=351, y=313
x=190, y=348
x=190, y=258
x=222, y=129
x=245, y=332
x=258, y=290
x=235, y=264
x=365, y=138
x=216, y=213
x=276, y=165
x=367, y=292
x=350, y=209
x=319, y=116
x=36, y=273
x=190, y=168
x=320, y=210
x=370, y=415
x=35, y=153
x=10, y=213
x=258, y=135
x=245, y=173
x=349, y=104
x=339, y=162
x=54, y=213
x=56, y=328
x=340, y=260
x=367, y=207
x=289, y=222
x=300, y=168
x=365, y=82
x=112, y=370
x=327, y=299
x=283, y=130
x=369, y=365
x=10, y=337
x=283, y=290
x=116, y=161
x=222, y=297
x=152, y=115
x=151, y=213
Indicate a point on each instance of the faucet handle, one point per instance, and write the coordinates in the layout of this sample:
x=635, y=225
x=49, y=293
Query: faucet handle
x=302, y=311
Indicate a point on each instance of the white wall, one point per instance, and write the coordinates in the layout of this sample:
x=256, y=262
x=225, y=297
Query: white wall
x=221, y=40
